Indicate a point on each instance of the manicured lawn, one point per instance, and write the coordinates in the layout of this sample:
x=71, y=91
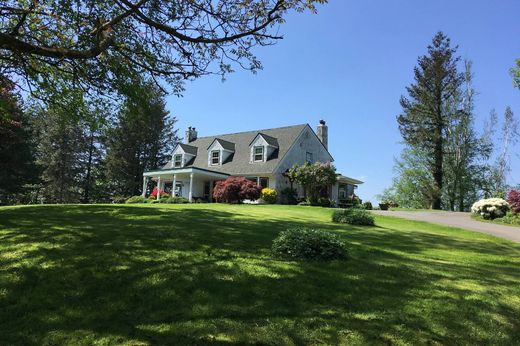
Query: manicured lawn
x=203, y=274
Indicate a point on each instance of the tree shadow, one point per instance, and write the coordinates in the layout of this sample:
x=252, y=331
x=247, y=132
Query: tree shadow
x=80, y=274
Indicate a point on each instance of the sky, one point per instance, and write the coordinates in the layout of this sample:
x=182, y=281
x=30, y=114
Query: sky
x=349, y=64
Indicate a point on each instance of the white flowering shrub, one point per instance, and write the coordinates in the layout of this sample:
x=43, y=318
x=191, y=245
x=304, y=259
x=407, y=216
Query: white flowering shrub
x=490, y=208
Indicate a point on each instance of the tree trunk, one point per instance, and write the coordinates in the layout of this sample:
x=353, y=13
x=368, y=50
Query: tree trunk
x=438, y=169
x=86, y=195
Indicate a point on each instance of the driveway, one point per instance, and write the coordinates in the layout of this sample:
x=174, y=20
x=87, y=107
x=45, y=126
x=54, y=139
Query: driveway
x=460, y=220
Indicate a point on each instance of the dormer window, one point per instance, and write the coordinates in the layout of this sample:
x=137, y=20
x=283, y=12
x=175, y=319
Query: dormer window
x=215, y=157
x=177, y=160
x=258, y=153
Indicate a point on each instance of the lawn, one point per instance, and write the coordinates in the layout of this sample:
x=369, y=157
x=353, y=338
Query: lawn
x=203, y=274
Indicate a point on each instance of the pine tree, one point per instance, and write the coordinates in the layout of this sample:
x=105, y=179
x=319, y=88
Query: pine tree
x=426, y=112
x=141, y=138
x=17, y=168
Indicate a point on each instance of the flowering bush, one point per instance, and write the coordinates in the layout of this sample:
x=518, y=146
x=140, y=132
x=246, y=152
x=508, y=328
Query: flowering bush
x=154, y=193
x=270, y=196
x=235, y=190
x=513, y=198
x=490, y=208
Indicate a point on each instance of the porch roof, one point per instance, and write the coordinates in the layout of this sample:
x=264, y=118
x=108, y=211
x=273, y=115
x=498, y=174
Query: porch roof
x=346, y=180
x=184, y=170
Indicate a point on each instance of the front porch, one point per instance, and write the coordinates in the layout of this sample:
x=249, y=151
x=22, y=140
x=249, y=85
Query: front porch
x=192, y=183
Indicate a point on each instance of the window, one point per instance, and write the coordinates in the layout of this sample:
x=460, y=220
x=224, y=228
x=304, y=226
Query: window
x=215, y=157
x=309, y=158
x=177, y=160
x=263, y=182
x=258, y=154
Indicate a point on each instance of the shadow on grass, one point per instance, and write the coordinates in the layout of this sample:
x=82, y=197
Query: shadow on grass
x=80, y=274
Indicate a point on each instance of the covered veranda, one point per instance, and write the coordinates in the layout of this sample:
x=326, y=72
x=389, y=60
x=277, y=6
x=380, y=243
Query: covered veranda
x=190, y=182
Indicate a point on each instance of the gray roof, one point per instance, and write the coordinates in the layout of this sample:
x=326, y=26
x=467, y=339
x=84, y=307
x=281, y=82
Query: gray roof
x=270, y=140
x=239, y=163
x=225, y=144
x=189, y=149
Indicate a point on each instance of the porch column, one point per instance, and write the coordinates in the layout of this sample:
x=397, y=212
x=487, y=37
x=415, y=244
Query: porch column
x=190, y=194
x=145, y=184
x=159, y=188
x=174, y=184
x=211, y=190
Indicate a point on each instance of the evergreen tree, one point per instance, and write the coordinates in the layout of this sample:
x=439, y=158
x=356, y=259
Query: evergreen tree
x=142, y=138
x=426, y=112
x=17, y=168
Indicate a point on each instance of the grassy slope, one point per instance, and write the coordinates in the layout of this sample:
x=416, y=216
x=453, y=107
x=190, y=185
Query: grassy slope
x=195, y=274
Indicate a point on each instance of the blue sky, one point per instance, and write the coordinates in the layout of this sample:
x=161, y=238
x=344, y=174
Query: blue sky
x=349, y=64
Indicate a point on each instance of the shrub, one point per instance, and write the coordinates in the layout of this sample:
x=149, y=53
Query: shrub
x=235, y=190
x=136, y=199
x=119, y=199
x=353, y=216
x=367, y=206
x=305, y=203
x=490, y=208
x=175, y=200
x=513, y=198
x=153, y=201
x=270, y=196
x=308, y=244
x=289, y=196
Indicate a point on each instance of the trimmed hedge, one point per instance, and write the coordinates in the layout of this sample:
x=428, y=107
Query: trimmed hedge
x=353, y=216
x=175, y=200
x=308, y=244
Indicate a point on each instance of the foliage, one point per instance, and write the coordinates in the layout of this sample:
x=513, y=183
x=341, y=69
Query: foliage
x=490, y=208
x=353, y=216
x=515, y=72
x=17, y=155
x=367, y=205
x=308, y=244
x=513, y=198
x=289, y=196
x=304, y=203
x=175, y=200
x=314, y=178
x=136, y=199
x=426, y=111
x=155, y=191
x=270, y=196
x=235, y=190
x=105, y=45
x=140, y=139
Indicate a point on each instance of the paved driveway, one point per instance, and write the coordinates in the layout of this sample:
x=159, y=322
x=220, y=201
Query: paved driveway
x=460, y=220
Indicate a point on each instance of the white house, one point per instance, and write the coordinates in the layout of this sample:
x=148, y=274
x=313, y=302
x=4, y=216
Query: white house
x=261, y=155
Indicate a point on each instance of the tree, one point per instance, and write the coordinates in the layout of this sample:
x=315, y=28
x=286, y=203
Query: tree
x=426, y=112
x=515, y=72
x=313, y=178
x=61, y=143
x=97, y=44
x=17, y=167
x=141, y=138
x=236, y=189
x=509, y=138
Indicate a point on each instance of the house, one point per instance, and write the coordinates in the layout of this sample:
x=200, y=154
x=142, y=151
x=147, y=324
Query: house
x=261, y=155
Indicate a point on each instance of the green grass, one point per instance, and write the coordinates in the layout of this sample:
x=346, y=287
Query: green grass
x=203, y=274
x=508, y=220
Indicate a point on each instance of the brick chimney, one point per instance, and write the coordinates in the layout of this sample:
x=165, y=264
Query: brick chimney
x=191, y=135
x=323, y=133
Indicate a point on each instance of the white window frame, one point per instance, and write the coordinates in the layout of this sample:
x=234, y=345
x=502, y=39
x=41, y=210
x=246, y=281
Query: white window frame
x=175, y=160
x=213, y=157
x=255, y=154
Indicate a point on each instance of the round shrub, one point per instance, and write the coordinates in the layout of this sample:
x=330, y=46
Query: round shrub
x=368, y=205
x=308, y=244
x=136, y=199
x=513, y=198
x=270, y=196
x=490, y=208
x=353, y=216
